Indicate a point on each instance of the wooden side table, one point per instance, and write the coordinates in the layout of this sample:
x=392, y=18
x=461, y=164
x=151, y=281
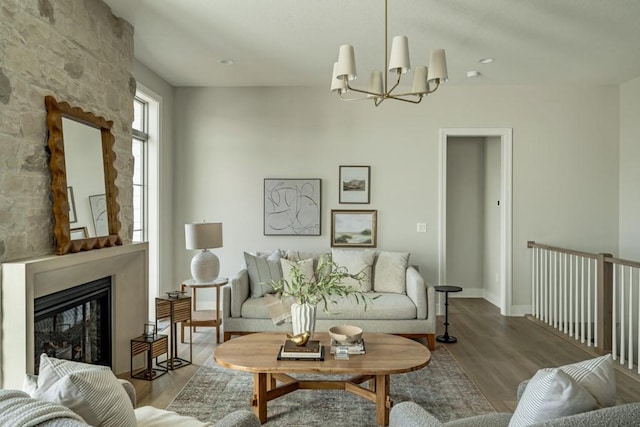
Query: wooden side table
x=178, y=310
x=155, y=346
x=209, y=318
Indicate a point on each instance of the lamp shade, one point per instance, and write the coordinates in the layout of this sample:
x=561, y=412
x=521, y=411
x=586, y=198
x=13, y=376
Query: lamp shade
x=438, y=66
x=399, y=57
x=337, y=85
x=375, y=84
x=203, y=235
x=420, y=85
x=346, y=63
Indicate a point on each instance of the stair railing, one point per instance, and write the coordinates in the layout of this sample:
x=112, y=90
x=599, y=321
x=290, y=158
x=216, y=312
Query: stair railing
x=593, y=298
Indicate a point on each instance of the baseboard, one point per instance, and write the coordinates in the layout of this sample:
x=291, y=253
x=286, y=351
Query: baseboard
x=520, y=310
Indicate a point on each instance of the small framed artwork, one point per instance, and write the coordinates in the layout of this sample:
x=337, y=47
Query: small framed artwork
x=72, y=206
x=355, y=184
x=98, y=205
x=79, y=233
x=292, y=207
x=354, y=228
x=149, y=330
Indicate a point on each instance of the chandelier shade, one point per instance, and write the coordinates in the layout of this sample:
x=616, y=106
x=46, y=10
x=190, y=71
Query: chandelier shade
x=399, y=58
x=426, y=80
x=337, y=85
x=438, y=67
x=420, y=84
x=375, y=84
x=346, y=63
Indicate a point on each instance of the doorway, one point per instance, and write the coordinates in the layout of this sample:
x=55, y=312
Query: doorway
x=480, y=209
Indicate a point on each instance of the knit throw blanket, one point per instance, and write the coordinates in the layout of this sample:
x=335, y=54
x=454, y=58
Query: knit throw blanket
x=18, y=409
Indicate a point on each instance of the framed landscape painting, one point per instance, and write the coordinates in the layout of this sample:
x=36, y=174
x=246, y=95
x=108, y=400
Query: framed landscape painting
x=354, y=228
x=355, y=184
x=292, y=207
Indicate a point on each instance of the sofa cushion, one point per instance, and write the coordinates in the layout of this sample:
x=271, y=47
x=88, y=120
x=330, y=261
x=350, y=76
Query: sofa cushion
x=551, y=394
x=263, y=270
x=91, y=391
x=148, y=416
x=304, y=266
x=355, y=261
x=390, y=272
x=294, y=255
x=597, y=376
x=387, y=307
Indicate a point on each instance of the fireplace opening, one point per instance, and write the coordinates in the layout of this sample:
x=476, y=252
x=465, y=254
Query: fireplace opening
x=75, y=324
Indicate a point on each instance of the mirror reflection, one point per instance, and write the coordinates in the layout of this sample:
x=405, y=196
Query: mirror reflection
x=85, y=180
x=85, y=209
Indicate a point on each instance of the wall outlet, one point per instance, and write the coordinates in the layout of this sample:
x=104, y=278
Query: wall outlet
x=421, y=227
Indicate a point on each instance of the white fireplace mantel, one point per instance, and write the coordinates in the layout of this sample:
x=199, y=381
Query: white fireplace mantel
x=24, y=281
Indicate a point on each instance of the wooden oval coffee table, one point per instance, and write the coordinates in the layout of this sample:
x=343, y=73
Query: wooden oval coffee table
x=386, y=355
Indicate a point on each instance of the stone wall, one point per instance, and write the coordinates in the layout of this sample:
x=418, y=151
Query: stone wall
x=78, y=52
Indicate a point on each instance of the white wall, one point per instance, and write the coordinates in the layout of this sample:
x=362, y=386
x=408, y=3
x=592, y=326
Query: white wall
x=630, y=170
x=229, y=139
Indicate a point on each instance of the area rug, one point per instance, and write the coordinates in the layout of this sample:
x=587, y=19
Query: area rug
x=441, y=387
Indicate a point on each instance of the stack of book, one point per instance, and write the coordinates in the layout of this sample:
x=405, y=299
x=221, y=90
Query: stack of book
x=312, y=350
x=353, y=347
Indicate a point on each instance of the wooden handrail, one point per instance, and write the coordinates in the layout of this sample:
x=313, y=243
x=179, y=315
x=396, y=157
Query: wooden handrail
x=625, y=262
x=533, y=244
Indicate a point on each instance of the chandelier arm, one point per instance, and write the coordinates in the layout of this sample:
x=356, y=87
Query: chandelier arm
x=412, y=101
x=394, y=86
x=343, y=98
x=365, y=91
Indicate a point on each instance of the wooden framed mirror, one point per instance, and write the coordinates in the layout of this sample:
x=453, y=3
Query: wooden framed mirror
x=82, y=179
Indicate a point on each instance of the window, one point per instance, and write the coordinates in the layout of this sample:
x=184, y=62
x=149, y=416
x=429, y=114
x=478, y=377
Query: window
x=139, y=147
x=146, y=198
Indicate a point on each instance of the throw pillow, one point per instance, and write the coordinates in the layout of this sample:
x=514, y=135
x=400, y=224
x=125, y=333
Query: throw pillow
x=355, y=262
x=390, y=272
x=551, y=394
x=91, y=391
x=597, y=376
x=262, y=270
x=305, y=267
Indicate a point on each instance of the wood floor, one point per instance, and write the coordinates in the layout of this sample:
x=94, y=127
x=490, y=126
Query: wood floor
x=496, y=352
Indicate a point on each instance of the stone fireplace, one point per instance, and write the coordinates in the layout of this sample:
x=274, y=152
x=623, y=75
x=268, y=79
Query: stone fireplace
x=25, y=281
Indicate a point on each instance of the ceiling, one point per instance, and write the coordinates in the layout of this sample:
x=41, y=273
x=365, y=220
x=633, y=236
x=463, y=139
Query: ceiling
x=295, y=42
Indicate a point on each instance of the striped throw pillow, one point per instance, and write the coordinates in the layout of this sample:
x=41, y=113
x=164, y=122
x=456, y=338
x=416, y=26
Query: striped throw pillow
x=91, y=391
x=551, y=394
x=597, y=376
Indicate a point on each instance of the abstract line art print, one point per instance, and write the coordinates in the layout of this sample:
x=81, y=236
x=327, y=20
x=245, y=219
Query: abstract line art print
x=292, y=207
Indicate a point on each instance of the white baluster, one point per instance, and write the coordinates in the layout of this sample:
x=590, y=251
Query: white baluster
x=630, y=316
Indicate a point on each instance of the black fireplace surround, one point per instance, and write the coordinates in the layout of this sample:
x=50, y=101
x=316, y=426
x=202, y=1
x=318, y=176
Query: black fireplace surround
x=75, y=324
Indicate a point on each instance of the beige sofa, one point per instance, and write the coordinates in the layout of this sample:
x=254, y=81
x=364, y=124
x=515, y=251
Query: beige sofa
x=405, y=304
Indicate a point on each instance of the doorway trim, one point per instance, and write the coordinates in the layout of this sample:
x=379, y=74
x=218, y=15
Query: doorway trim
x=506, y=211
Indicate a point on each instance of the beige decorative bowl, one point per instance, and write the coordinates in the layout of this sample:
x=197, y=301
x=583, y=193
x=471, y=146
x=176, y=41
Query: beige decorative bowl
x=345, y=333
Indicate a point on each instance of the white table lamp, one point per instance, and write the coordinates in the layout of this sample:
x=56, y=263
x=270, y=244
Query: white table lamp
x=205, y=266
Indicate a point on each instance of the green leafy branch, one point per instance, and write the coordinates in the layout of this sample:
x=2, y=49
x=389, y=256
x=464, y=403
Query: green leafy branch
x=325, y=287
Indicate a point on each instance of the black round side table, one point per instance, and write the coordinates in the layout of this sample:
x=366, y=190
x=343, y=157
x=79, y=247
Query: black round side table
x=446, y=338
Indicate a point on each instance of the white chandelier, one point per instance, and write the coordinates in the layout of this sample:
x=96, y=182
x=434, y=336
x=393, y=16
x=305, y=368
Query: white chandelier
x=425, y=80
